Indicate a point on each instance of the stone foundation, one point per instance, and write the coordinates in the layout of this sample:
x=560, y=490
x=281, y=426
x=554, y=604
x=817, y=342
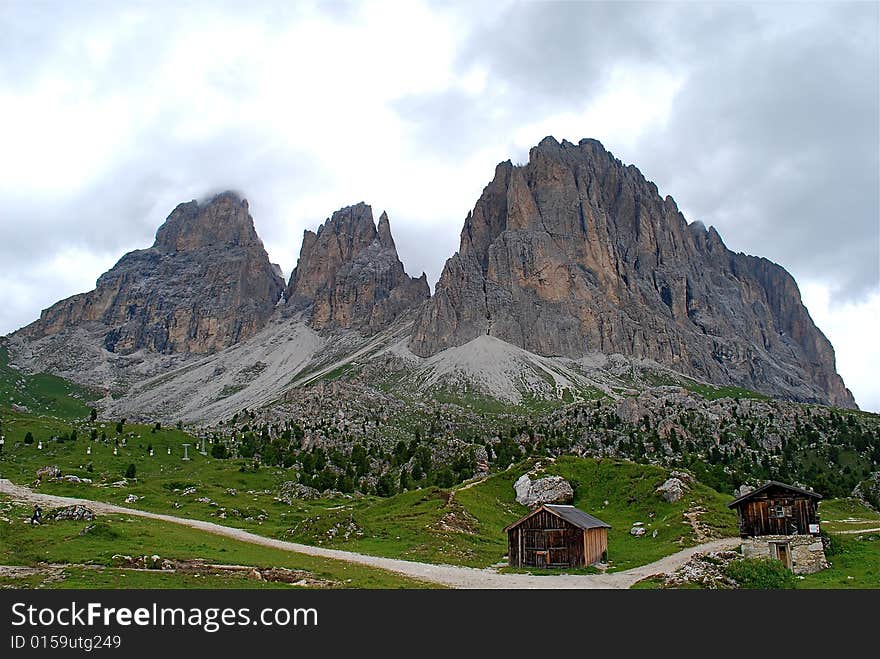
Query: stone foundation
x=806, y=552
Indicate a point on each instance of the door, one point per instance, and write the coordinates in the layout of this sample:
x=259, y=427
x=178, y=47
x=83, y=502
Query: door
x=783, y=553
x=534, y=548
x=557, y=550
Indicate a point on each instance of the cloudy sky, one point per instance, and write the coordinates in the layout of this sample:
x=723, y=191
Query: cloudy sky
x=760, y=120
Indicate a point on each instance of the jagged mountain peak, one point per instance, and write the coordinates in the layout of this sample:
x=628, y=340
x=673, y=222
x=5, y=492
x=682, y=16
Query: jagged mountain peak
x=223, y=220
x=349, y=274
x=575, y=252
x=205, y=284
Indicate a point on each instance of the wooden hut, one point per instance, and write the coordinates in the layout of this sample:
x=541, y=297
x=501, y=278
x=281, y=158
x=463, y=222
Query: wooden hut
x=782, y=522
x=557, y=536
x=777, y=509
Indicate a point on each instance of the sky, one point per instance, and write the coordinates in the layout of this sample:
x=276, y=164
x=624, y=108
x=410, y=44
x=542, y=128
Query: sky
x=761, y=120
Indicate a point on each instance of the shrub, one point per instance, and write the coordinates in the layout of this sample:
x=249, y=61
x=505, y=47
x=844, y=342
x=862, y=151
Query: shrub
x=219, y=451
x=832, y=544
x=761, y=574
x=131, y=471
x=29, y=438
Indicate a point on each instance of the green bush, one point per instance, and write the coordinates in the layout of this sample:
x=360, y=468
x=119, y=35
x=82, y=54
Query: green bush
x=761, y=574
x=131, y=471
x=29, y=438
x=833, y=546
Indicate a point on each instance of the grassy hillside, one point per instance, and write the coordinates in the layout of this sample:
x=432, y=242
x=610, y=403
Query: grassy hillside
x=89, y=547
x=41, y=394
x=458, y=526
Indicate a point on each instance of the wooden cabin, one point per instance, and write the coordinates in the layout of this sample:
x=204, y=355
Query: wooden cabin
x=777, y=509
x=557, y=536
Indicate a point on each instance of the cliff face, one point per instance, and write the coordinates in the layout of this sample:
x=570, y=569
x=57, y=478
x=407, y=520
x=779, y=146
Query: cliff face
x=575, y=252
x=205, y=284
x=350, y=276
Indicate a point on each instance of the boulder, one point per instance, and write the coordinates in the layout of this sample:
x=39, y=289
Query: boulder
x=637, y=531
x=672, y=490
x=742, y=490
x=47, y=472
x=292, y=491
x=551, y=489
x=76, y=513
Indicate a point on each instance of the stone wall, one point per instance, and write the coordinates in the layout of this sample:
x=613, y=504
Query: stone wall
x=807, y=551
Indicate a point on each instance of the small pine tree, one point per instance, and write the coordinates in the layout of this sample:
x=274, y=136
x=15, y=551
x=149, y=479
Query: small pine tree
x=119, y=427
x=29, y=438
x=93, y=415
x=131, y=471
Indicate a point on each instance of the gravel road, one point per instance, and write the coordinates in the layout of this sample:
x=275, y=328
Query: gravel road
x=447, y=575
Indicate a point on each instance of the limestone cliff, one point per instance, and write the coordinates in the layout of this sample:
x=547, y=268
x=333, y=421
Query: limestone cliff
x=205, y=284
x=575, y=253
x=350, y=276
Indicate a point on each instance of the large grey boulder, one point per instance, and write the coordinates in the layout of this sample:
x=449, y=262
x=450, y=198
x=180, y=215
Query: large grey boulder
x=551, y=489
x=672, y=489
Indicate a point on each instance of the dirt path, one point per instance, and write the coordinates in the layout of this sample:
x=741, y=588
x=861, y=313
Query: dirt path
x=447, y=575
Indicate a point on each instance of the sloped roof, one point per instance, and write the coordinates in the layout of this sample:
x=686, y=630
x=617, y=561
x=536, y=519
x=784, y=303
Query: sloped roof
x=766, y=486
x=570, y=514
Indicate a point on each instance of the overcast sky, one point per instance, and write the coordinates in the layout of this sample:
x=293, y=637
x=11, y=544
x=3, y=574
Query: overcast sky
x=760, y=120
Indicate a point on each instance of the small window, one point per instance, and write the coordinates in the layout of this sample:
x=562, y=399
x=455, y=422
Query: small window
x=777, y=511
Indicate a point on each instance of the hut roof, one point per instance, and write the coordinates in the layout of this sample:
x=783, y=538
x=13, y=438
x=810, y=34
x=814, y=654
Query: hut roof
x=766, y=486
x=570, y=514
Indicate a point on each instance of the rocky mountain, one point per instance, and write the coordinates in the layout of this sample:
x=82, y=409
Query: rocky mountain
x=574, y=254
x=349, y=275
x=205, y=284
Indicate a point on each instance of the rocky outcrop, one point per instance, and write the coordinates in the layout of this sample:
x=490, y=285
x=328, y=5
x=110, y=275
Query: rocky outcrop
x=575, y=253
x=48, y=472
x=672, y=489
x=350, y=276
x=291, y=491
x=551, y=489
x=868, y=491
x=76, y=513
x=205, y=284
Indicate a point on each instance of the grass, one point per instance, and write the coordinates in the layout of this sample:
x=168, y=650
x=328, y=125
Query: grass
x=41, y=393
x=854, y=558
x=847, y=515
x=711, y=392
x=63, y=542
x=432, y=525
x=628, y=489
x=856, y=564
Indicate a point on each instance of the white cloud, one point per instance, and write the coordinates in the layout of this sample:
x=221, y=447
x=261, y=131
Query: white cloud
x=852, y=327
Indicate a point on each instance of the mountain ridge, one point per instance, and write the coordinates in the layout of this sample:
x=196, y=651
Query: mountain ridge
x=567, y=257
